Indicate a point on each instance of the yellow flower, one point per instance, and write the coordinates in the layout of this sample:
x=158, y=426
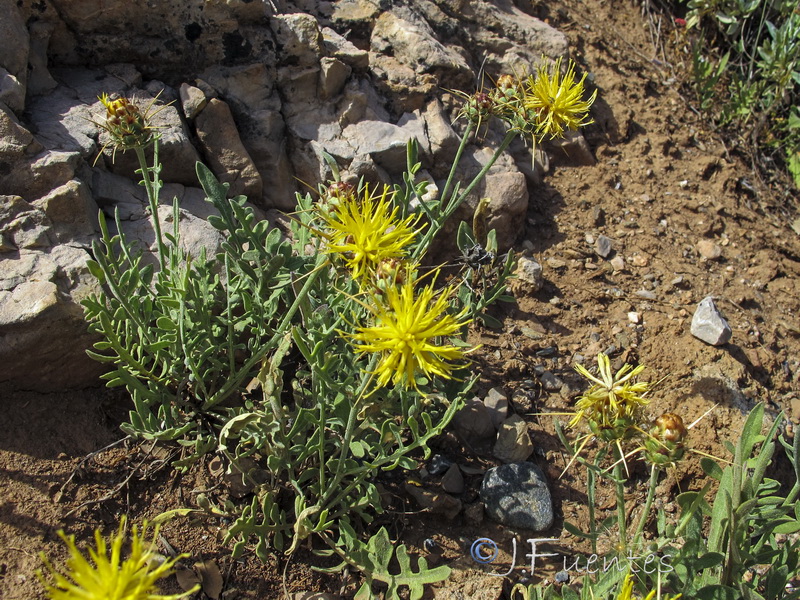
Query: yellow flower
x=626, y=592
x=367, y=232
x=556, y=102
x=406, y=326
x=612, y=404
x=108, y=577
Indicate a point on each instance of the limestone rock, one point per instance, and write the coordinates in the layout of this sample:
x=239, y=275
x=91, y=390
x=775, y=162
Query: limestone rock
x=332, y=77
x=572, y=150
x=12, y=91
x=496, y=401
x=71, y=209
x=529, y=275
x=14, y=47
x=299, y=38
x=383, y=142
x=339, y=47
x=513, y=441
x=413, y=43
x=43, y=336
x=193, y=100
x=40, y=81
x=225, y=152
x=709, y=325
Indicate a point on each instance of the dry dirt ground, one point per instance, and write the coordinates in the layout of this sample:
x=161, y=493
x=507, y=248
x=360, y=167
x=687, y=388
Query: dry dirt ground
x=664, y=182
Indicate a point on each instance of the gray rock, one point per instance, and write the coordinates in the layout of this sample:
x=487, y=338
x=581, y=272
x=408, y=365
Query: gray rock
x=529, y=272
x=193, y=100
x=12, y=91
x=496, y=401
x=550, y=382
x=332, y=77
x=473, y=422
x=14, y=47
x=513, y=443
x=516, y=495
x=339, y=47
x=709, y=325
x=299, y=38
x=43, y=336
x=383, y=142
x=410, y=40
x=453, y=480
x=40, y=81
x=439, y=464
x=224, y=151
x=603, y=246
x=72, y=210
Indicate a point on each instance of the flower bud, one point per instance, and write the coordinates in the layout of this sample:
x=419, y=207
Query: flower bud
x=665, y=443
x=125, y=124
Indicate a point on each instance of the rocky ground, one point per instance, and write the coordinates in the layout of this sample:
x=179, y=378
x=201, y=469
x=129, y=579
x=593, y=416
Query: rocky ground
x=667, y=216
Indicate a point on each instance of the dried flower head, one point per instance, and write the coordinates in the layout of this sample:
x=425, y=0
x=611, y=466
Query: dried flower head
x=555, y=102
x=406, y=329
x=665, y=443
x=365, y=232
x=612, y=405
x=108, y=576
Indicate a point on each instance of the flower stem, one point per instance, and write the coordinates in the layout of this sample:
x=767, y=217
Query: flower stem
x=654, y=472
x=152, y=184
x=619, y=483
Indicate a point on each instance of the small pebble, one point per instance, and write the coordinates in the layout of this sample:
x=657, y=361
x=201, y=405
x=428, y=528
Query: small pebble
x=603, y=246
x=646, y=294
x=439, y=464
x=634, y=317
x=709, y=250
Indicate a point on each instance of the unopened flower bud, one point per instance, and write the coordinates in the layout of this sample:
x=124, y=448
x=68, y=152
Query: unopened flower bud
x=665, y=443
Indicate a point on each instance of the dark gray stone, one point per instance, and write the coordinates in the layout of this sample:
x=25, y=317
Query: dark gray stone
x=517, y=495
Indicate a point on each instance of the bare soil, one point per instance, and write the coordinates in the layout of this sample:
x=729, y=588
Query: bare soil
x=663, y=183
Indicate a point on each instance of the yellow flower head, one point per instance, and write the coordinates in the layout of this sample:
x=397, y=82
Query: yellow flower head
x=107, y=576
x=366, y=232
x=626, y=592
x=555, y=102
x=406, y=326
x=611, y=406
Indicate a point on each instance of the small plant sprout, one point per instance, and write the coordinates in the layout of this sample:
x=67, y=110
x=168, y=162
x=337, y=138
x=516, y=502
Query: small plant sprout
x=106, y=575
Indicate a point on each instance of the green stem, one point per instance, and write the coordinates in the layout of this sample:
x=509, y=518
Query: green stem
x=348, y=432
x=234, y=382
x=457, y=201
x=458, y=196
x=655, y=470
x=591, y=481
x=619, y=483
x=152, y=184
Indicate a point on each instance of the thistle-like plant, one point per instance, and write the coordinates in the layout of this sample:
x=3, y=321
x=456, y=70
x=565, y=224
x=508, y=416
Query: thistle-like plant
x=106, y=575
